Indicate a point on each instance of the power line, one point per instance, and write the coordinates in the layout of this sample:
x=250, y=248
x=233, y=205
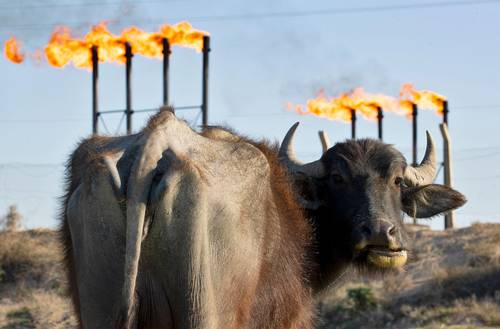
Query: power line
x=29, y=164
x=87, y=4
x=120, y=123
x=246, y=115
x=483, y=156
x=466, y=107
x=460, y=107
x=9, y=190
x=249, y=115
x=41, y=121
x=340, y=11
x=52, y=165
x=288, y=14
x=481, y=148
x=479, y=178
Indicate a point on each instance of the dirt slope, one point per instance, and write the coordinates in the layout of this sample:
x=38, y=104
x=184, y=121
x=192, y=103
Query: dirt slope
x=32, y=289
x=453, y=281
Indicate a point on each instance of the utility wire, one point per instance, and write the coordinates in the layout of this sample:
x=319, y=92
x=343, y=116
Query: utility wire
x=120, y=124
x=248, y=115
x=41, y=120
x=7, y=165
x=195, y=119
x=286, y=14
x=483, y=156
x=22, y=6
x=478, y=178
x=452, y=108
x=341, y=11
x=104, y=124
x=29, y=164
x=465, y=107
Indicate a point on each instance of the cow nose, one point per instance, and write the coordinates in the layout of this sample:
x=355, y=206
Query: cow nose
x=381, y=233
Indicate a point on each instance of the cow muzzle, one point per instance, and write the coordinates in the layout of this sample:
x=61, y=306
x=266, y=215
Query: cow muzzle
x=379, y=245
x=387, y=258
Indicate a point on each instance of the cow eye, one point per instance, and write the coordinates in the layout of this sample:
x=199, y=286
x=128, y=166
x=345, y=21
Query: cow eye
x=337, y=178
x=398, y=181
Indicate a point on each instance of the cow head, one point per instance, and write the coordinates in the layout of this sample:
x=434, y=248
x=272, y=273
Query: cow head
x=356, y=194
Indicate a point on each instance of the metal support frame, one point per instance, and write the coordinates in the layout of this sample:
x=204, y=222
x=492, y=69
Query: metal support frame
x=414, y=115
x=449, y=217
x=95, y=80
x=380, y=117
x=204, y=96
x=353, y=124
x=445, y=112
x=128, y=86
x=166, y=69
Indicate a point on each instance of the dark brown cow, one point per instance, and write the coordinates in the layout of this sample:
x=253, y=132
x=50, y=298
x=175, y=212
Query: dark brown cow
x=169, y=228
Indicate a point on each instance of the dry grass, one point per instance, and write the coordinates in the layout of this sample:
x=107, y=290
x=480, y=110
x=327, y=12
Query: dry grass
x=32, y=290
x=486, y=246
x=453, y=281
x=38, y=309
x=30, y=258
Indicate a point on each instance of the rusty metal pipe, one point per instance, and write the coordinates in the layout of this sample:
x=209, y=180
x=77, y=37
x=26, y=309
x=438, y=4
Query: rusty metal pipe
x=166, y=69
x=128, y=86
x=380, y=117
x=95, y=80
x=445, y=112
x=204, y=96
x=353, y=124
x=414, y=115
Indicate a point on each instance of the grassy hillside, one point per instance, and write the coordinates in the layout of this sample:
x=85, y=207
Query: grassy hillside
x=32, y=290
x=453, y=281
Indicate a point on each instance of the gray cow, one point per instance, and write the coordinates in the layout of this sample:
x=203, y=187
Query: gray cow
x=169, y=228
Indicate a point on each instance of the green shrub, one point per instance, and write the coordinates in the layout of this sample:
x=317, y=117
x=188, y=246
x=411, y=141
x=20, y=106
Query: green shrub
x=21, y=318
x=361, y=298
x=2, y=274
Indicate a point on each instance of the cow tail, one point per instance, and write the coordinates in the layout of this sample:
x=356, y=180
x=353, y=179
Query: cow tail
x=139, y=185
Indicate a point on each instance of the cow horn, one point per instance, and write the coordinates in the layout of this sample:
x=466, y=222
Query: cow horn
x=425, y=172
x=287, y=156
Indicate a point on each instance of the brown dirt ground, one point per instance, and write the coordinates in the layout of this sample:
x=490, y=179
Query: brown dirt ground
x=452, y=281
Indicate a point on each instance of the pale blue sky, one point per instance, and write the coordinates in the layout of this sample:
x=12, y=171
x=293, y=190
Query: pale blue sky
x=257, y=64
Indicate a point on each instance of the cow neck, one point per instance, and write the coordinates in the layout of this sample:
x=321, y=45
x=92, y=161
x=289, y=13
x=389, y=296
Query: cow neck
x=329, y=258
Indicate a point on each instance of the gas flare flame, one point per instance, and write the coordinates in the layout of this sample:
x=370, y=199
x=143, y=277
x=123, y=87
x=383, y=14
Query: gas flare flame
x=63, y=48
x=425, y=99
x=336, y=108
x=12, y=51
x=367, y=104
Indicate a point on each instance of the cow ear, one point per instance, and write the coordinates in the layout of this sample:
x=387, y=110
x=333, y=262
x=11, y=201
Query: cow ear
x=306, y=188
x=430, y=200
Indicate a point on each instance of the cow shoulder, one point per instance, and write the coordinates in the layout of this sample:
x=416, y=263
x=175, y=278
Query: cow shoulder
x=220, y=133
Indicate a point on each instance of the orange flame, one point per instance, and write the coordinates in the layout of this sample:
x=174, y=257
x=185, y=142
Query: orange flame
x=339, y=108
x=425, y=99
x=368, y=104
x=333, y=108
x=12, y=51
x=63, y=48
